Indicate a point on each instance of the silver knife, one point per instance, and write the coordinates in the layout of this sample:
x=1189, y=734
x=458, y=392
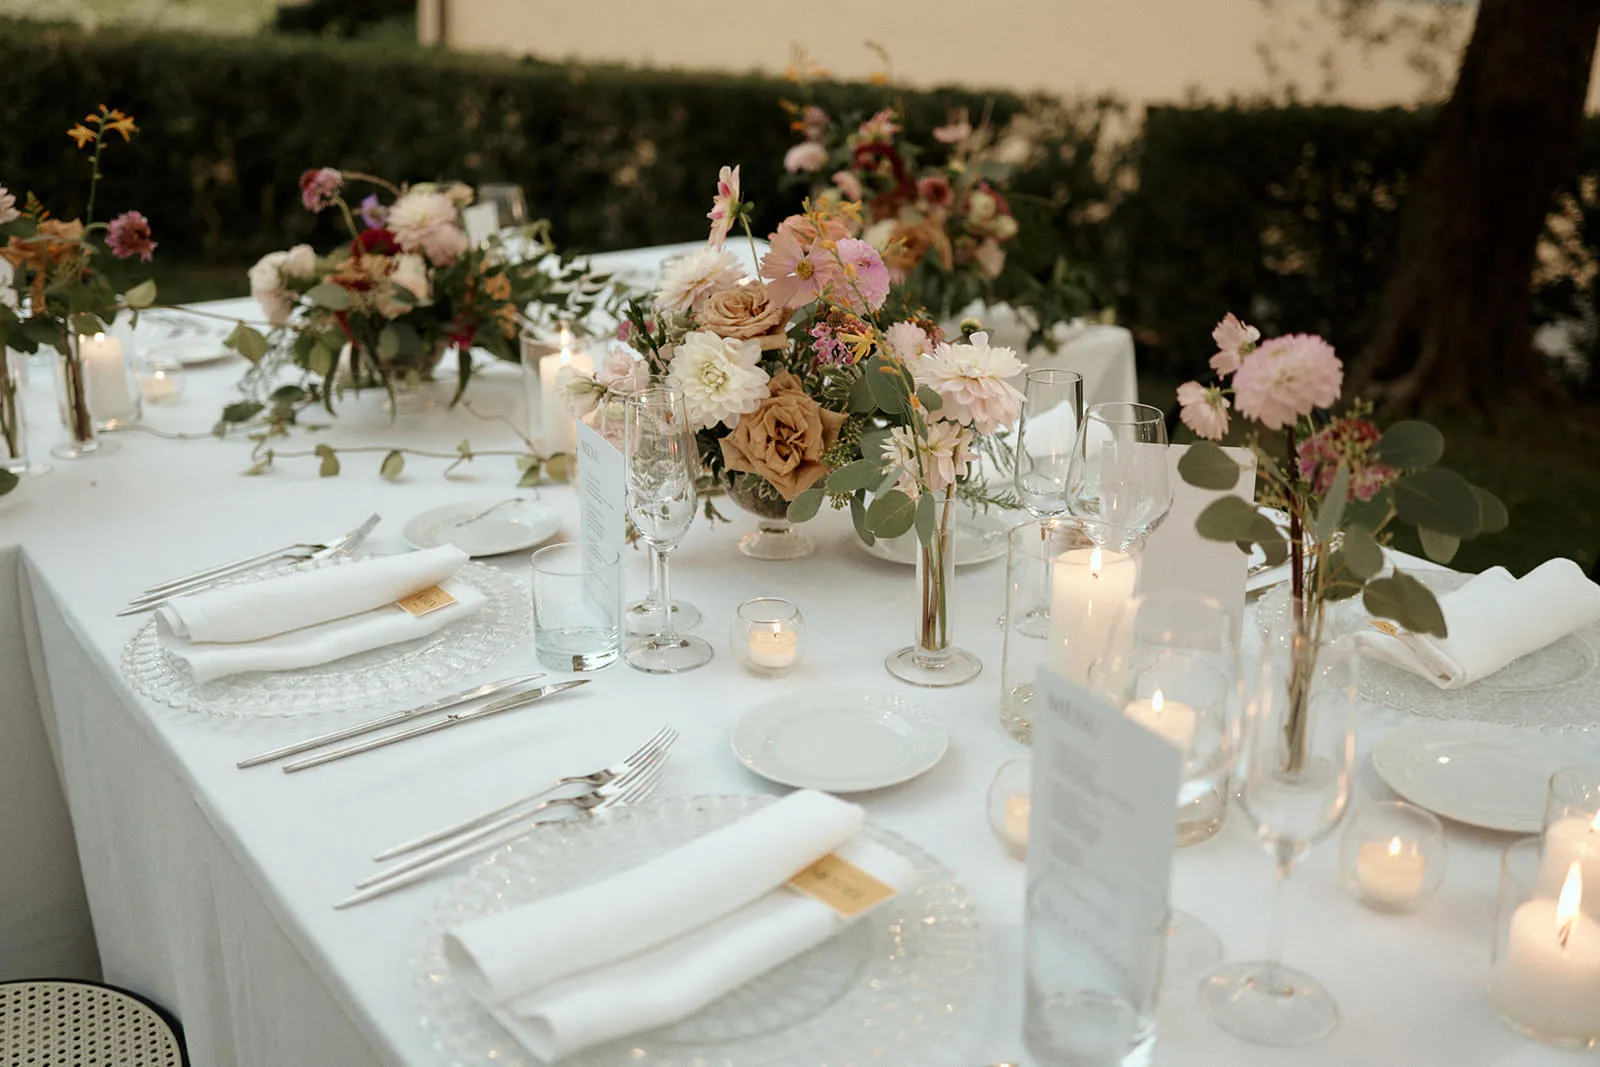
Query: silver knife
x=487, y=689
x=515, y=700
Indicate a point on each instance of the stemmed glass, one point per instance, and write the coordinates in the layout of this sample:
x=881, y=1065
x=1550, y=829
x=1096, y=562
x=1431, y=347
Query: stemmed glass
x=511, y=207
x=1119, y=470
x=661, y=503
x=1052, y=409
x=1292, y=783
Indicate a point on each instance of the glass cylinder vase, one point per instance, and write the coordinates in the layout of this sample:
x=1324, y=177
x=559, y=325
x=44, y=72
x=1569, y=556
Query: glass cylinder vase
x=13, y=421
x=72, y=393
x=933, y=660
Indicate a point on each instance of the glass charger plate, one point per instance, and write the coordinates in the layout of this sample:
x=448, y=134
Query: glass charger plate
x=393, y=675
x=1554, y=688
x=905, y=985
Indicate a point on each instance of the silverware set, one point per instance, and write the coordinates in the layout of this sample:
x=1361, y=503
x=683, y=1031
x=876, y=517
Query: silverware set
x=625, y=782
x=201, y=580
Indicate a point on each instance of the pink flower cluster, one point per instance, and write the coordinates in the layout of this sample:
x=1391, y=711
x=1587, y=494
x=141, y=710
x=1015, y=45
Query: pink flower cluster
x=1349, y=441
x=319, y=188
x=831, y=344
x=1275, y=383
x=129, y=235
x=806, y=264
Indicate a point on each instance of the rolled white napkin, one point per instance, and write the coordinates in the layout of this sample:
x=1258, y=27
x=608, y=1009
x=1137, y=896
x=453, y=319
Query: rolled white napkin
x=506, y=956
x=323, y=642
x=1492, y=620
x=261, y=609
x=674, y=980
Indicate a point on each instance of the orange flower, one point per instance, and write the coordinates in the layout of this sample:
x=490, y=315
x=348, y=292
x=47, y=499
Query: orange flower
x=82, y=134
x=497, y=286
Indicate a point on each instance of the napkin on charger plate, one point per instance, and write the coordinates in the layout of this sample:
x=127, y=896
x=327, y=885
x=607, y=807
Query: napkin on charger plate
x=1492, y=620
x=312, y=617
x=656, y=942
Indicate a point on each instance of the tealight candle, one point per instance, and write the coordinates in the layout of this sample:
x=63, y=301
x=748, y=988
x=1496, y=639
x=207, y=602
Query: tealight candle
x=161, y=385
x=1170, y=719
x=1011, y=805
x=774, y=648
x=1088, y=587
x=1568, y=841
x=1546, y=975
x=560, y=428
x=767, y=635
x=105, y=376
x=1390, y=874
x=1392, y=855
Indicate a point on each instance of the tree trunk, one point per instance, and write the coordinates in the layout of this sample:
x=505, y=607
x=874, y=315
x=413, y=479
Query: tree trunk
x=1455, y=323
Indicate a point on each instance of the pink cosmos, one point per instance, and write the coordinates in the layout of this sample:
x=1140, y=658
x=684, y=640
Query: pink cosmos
x=373, y=213
x=862, y=276
x=1204, y=410
x=724, y=206
x=1235, y=340
x=319, y=187
x=880, y=127
x=849, y=185
x=935, y=191
x=953, y=133
x=1287, y=378
x=129, y=235
x=807, y=156
x=795, y=272
x=8, y=206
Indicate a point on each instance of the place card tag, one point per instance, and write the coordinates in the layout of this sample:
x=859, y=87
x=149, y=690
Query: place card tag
x=841, y=885
x=481, y=222
x=602, y=505
x=425, y=601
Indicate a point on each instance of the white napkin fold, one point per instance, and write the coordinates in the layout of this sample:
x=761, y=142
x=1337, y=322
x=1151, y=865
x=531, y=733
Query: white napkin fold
x=323, y=642
x=676, y=979
x=293, y=601
x=506, y=956
x=1492, y=620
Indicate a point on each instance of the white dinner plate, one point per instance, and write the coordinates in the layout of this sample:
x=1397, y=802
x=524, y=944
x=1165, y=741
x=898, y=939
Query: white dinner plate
x=839, y=740
x=979, y=536
x=509, y=528
x=167, y=334
x=1477, y=773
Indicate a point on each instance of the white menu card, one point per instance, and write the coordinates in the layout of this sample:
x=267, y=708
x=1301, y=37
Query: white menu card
x=602, y=499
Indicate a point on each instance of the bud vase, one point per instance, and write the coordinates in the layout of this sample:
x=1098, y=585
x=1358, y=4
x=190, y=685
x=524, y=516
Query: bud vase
x=933, y=661
x=13, y=420
x=72, y=393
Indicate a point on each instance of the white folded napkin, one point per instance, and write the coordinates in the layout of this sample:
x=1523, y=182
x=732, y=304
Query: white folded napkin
x=323, y=642
x=261, y=609
x=1492, y=620
x=506, y=956
x=674, y=980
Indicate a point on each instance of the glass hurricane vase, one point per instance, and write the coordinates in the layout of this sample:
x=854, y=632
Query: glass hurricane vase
x=72, y=392
x=933, y=660
x=775, y=537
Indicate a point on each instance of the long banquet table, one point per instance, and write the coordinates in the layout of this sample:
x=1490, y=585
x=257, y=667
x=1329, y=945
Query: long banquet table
x=210, y=888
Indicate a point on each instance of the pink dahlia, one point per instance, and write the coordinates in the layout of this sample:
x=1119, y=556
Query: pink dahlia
x=973, y=381
x=1235, y=340
x=863, y=279
x=1287, y=378
x=129, y=235
x=318, y=188
x=1204, y=410
x=807, y=156
x=724, y=206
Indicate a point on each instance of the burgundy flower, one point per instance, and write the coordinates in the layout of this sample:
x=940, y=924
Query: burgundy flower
x=319, y=187
x=129, y=235
x=376, y=242
x=935, y=191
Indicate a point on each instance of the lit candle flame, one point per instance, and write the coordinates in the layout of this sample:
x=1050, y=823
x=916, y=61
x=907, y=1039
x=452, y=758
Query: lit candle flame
x=1394, y=846
x=1594, y=827
x=1094, y=562
x=99, y=337
x=1567, y=904
x=1157, y=702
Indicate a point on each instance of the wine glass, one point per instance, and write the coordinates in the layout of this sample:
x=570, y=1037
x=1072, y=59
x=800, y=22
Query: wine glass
x=1119, y=470
x=1292, y=782
x=511, y=207
x=661, y=503
x=1052, y=409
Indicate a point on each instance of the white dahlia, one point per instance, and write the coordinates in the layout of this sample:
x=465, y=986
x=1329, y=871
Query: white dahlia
x=720, y=379
x=691, y=280
x=971, y=380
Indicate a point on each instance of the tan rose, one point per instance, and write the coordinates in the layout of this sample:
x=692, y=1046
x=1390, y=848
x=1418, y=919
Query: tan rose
x=745, y=313
x=784, y=438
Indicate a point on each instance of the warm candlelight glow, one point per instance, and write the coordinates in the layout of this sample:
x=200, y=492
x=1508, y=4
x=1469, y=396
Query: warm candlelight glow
x=1394, y=846
x=1094, y=562
x=1594, y=827
x=1157, y=702
x=1567, y=905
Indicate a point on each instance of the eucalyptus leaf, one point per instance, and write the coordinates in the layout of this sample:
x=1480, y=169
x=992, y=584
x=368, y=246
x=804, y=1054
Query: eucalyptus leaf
x=85, y=324
x=1439, y=499
x=1370, y=513
x=1333, y=502
x=858, y=516
x=891, y=514
x=872, y=442
x=888, y=391
x=861, y=400
x=927, y=518
x=805, y=506
x=242, y=411
x=862, y=474
x=1207, y=466
x=393, y=465
x=1340, y=588
x=1492, y=514
x=1227, y=518
x=388, y=344
x=330, y=296
x=141, y=295
x=330, y=462
x=8, y=481
x=1274, y=545
x=530, y=477
x=930, y=400
x=320, y=361
x=560, y=467
x=1410, y=445
x=1361, y=553
x=1406, y=601
x=1440, y=547
x=248, y=342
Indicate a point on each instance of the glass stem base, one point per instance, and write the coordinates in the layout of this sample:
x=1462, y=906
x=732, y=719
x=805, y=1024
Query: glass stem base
x=83, y=449
x=1268, y=1004
x=933, y=670
x=776, y=539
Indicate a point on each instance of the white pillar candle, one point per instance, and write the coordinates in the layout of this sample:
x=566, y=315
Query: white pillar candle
x=1019, y=809
x=1391, y=873
x=560, y=429
x=1567, y=841
x=774, y=649
x=1088, y=586
x=1548, y=977
x=1171, y=719
x=105, y=376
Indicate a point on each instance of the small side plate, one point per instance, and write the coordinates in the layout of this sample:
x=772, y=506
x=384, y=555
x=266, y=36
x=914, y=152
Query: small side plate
x=978, y=538
x=509, y=528
x=839, y=740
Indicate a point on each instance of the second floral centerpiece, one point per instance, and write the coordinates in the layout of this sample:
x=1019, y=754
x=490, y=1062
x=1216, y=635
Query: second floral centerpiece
x=815, y=381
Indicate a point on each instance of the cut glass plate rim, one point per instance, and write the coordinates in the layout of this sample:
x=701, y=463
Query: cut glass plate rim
x=931, y=1016
x=399, y=675
x=752, y=740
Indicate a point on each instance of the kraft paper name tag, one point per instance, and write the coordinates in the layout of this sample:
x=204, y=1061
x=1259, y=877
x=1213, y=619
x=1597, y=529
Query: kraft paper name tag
x=427, y=600
x=841, y=885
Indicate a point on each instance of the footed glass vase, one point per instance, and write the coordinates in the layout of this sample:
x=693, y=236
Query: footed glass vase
x=775, y=537
x=933, y=661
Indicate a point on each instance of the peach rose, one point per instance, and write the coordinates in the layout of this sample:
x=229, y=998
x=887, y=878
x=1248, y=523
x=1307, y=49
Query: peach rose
x=745, y=313
x=784, y=438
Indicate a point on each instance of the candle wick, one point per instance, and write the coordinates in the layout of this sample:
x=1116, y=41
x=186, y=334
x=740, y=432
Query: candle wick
x=1564, y=931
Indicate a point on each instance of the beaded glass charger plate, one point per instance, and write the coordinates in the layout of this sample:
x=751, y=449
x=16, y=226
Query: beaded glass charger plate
x=905, y=985
x=394, y=675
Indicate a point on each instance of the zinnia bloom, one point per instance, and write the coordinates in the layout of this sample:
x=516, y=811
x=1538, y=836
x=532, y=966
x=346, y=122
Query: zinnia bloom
x=425, y=221
x=8, y=206
x=690, y=281
x=724, y=206
x=1287, y=378
x=808, y=156
x=318, y=188
x=1204, y=410
x=864, y=279
x=971, y=380
x=720, y=379
x=1235, y=340
x=129, y=235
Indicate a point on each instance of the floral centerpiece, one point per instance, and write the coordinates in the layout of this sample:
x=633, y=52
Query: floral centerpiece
x=408, y=286
x=1342, y=481
x=57, y=295
x=814, y=381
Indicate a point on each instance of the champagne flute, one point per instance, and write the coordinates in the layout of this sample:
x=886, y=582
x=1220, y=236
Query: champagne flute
x=1052, y=409
x=1293, y=785
x=661, y=502
x=511, y=207
x=1119, y=471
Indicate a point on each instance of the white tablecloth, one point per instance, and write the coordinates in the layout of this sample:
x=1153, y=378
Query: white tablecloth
x=211, y=888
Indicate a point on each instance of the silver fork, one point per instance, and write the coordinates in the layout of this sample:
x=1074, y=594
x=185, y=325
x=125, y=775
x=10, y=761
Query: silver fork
x=629, y=789
x=646, y=752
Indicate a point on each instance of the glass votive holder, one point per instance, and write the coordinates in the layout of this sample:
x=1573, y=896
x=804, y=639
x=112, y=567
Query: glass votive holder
x=161, y=381
x=1392, y=855
x=1011, y=803
x=768, y=635
x=1544, y=970
x=1572, y=832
